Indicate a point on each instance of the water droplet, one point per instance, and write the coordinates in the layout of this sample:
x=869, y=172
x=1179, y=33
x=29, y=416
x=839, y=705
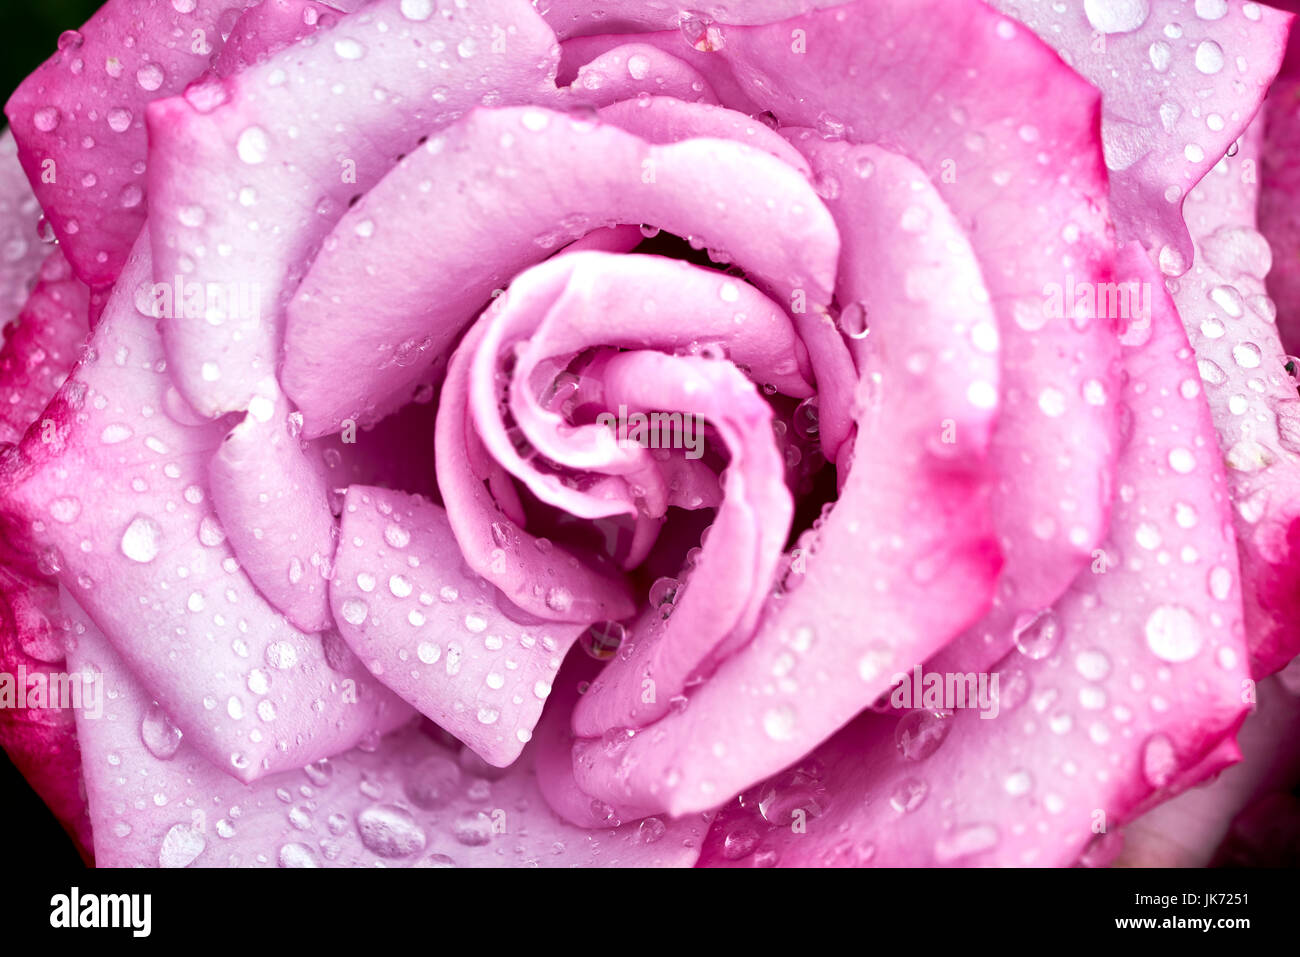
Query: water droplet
x=119, y=119
x=853, y=321
x=1209, y=57
x=390, y=831
x=740, y=842
x=1246, y=355
x=650, y=830
x=919, y=734
x=348, y=49
x=1173, y=633
x=779, y=723
x=434, y=782
x=150, y=77
x=602, y=640
x=252, y=145
x=1159, y=761
x=297, y=855
x=355, y=611
x=181, y=846
x=908, y=795
x=142, y=539
x=417, y=10
x=1116, y=16
x=159, y=735
x=1037, y=636
x=473, y=829
x=46, y=119
x=70, y=41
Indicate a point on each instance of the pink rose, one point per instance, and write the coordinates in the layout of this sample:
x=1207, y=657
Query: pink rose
x=816, y=369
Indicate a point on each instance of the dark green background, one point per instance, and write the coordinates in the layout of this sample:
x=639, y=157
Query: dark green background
x=29, y=29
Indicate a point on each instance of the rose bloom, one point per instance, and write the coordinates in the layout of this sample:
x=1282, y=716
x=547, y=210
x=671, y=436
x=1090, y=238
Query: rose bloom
x=493, y=433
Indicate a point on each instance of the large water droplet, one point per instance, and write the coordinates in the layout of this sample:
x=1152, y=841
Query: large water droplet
x=181, y=846
x=1116, y=16
x=1037, y=635
x=390, y=831
x=142, y=539
x=1159, y=760
x=252, y=145
x=602, y=640
x=159, y=735
x=919, y=734
x=1173, y=633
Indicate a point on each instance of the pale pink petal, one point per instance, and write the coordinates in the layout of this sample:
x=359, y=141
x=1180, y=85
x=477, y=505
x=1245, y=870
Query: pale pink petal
x=269, y=27
x=271, y=497
x=243, y=138
x=1140, y=678
x=662, y=119
x=115, y=494
x=910, y=538
x=21, y=251
x=1229, y=319
x=578, y=51
x=1279, y=204
x=42, y=346
x=717, y=606
x=579, y=17
x=576, y=302
x=1186, y=831
x=404, y=800
x=566, y=176
x=634, y=70
x=1177, y=88
x=991, y=116
x=435, y=633
x=486, y=515
x=83, y=112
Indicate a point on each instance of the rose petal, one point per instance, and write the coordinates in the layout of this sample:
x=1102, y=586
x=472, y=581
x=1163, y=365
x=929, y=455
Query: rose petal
x=487, y=517
x=910, y=538
x=403, y=800
x=580, y=301
x=1279, y=204
x=576, y=17
x=1148, y=676
x=1187, y=830
x=718, y=605
x=1015, y=122
x=435, y=633
x=41, y=348
x=1228, y=318
x=21, y=252
x=508, y=220
x=118, y=492
x=1175, y=95
x=636, y=70
x=83, y=110
x=272, y=500
x=237, y=142
x=269, y=27
x=576, y=52
x=38, y=734
x=663, y=119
